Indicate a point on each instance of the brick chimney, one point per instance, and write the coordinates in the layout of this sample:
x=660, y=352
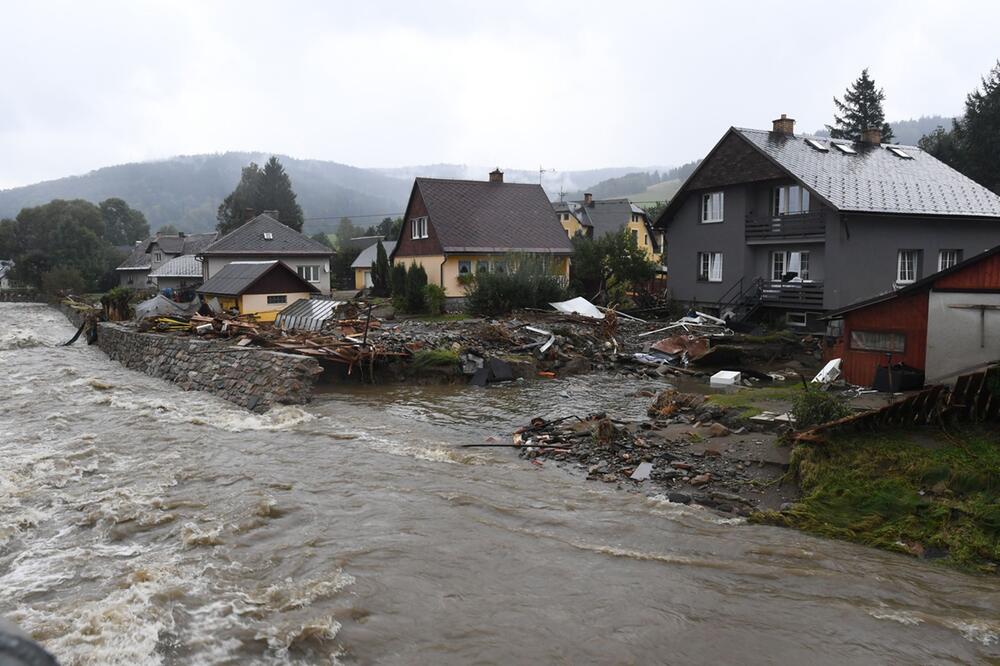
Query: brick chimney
x=784, y=125
x=496, y=176
x=872, y=136
x=273, y=213
x=588, y=199
x=248, y=214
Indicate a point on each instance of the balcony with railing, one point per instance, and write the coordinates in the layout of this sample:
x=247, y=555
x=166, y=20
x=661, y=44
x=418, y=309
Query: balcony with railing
x=792, y=294
x=778, y=228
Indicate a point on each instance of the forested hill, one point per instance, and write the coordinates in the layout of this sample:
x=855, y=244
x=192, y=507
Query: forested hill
x=909, y=132
x=186, y=191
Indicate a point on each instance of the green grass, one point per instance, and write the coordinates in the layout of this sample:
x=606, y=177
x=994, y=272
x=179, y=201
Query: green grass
x=903, y=492
x=435, y=358
x=753, y=401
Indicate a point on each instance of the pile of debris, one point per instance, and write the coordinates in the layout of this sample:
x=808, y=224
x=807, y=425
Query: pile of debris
x=691, y=449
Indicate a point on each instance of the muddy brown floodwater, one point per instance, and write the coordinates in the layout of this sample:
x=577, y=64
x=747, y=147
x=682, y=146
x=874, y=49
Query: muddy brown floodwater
x=144, y=525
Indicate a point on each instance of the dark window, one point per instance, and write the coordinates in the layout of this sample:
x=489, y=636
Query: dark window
x=277, y=300
x=464, y=267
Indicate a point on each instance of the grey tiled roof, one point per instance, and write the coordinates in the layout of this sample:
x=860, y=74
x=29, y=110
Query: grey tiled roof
x=137, y=259
x=185, y=265
x=249, y=239
x=367, y=255
x=480, y=216
x=187, y=244
x=875, y=180
x=235, y=278
x=606, y=216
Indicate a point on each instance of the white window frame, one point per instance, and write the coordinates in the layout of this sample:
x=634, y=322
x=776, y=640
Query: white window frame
x=467, y=263
x=785, y=196
x=309, y=273
x=800, y=319
x=954, y=255
x=785, y=259
x=713, y=207
x=418, y=227
x=710, y=267
x=907, y=266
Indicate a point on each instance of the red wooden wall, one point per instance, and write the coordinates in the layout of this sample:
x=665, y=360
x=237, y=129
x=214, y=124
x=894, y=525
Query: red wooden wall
x=983, y=275
x=905, y=314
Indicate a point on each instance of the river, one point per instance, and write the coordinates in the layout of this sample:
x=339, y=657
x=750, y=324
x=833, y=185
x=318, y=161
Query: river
x=142, y=524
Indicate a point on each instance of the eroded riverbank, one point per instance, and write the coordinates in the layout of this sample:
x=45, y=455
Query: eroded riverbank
x=150, y=525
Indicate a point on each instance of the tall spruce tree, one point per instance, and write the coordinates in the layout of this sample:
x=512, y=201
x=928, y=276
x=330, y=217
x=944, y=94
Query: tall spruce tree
x=860, y=110
x=380, y=272
x=973, y=144
x=259, y=189
x=232, y=211
x=276, y=193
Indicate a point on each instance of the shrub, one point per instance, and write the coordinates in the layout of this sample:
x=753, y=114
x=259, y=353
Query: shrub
x=397, y=280
x=435, y=358
x=434, y=299
x=62, y=281
x=529, y=285
x=813, y=406
x=416, y=280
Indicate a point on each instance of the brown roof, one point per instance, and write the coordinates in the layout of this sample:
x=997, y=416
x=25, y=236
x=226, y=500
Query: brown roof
x=480, y=216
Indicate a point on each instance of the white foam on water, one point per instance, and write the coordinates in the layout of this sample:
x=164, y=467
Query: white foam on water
x=901, y=616
x=662, y=505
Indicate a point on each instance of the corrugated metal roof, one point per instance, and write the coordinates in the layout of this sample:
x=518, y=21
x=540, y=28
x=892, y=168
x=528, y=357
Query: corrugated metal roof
x=307, y=314
x=183, y=266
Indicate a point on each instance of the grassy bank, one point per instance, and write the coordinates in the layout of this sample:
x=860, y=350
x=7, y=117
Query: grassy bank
x=923, y=492
x=753, y=401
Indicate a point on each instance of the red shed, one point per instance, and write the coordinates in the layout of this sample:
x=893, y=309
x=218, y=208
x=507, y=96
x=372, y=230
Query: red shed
x=943, y=325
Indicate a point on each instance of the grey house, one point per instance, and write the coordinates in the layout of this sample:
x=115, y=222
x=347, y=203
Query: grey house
x=149, y=256
x=264, y=238
x=798, y=225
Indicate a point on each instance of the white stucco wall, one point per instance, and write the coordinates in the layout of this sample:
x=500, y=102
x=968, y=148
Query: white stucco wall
x=212, y=265
x=956, y=339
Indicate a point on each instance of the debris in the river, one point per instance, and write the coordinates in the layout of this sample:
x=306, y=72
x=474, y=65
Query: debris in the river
x=580, y=306
x=642, y=472
x=725, y=378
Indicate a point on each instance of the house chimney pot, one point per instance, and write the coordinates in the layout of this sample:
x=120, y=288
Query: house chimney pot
x=496, y=176
x=784, y=125
x=872, y=136
x=588, y=199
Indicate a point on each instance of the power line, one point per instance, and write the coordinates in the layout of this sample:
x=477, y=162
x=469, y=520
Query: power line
x=339, y=217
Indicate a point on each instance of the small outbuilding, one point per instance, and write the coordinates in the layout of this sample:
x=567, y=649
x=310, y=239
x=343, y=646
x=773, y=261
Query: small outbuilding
x=944, y=325
x=179, y=273
x=262, y=288
x=363, y=264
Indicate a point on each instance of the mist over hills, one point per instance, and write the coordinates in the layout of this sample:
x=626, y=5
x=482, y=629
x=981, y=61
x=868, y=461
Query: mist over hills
x=185, y=191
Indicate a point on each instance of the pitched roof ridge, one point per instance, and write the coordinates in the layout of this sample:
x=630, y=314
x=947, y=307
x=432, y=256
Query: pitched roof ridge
x=469, y=180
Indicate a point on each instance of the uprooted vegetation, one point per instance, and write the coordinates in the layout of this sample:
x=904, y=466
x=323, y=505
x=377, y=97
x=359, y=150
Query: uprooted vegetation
x=932, y=494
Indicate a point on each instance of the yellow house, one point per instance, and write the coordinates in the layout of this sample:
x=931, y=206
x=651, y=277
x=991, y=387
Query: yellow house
x=261, y=288
x=462, y=227
x=598, y=217
x=363, y=264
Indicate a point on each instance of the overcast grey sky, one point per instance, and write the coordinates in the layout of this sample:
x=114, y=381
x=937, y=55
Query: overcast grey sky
x=569, y=85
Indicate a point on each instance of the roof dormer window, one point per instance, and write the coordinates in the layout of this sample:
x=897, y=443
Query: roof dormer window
x=846, y=149
x=899, y=152
x=268, y=235
x=817, y=145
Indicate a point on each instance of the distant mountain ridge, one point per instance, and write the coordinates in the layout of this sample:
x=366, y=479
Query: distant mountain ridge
x=909, y=132
x=186, y=191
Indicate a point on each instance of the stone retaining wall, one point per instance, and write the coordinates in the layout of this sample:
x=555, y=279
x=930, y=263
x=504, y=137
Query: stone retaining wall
x=252, y=378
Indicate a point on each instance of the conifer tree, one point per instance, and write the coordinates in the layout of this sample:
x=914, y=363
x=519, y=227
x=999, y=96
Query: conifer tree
x=380, y=272
x=860, y=110
x=259, y=189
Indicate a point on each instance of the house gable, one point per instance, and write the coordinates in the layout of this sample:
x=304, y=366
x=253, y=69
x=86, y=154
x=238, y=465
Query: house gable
x=733, y=162
x=407, y=246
